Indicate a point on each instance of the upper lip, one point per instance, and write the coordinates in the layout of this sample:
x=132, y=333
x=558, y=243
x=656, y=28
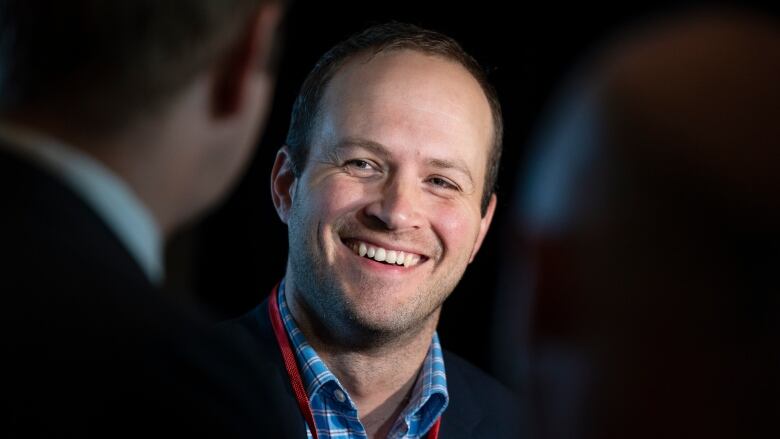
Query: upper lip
x=386, y=246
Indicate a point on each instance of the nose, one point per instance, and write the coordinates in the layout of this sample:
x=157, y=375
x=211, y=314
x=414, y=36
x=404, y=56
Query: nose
x=398, y=205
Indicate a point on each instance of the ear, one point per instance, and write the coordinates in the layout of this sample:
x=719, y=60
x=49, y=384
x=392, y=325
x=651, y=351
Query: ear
x=246, y=61
x=283, y=184
x=484, y=225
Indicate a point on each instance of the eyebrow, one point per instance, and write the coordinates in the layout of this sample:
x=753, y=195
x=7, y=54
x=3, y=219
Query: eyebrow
x=353, y=142
x=382, y=151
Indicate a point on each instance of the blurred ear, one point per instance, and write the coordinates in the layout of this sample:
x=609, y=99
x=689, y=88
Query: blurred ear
x=246, y=61
x=283, y=184
x=484, y=225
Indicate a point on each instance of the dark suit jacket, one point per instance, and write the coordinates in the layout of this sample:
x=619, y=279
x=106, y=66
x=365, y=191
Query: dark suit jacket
x=90, y=348
x=479, y=406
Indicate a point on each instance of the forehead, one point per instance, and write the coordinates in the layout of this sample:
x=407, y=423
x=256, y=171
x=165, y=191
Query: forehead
x=409, y=102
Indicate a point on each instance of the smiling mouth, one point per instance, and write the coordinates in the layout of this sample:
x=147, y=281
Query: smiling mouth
x=384, y=255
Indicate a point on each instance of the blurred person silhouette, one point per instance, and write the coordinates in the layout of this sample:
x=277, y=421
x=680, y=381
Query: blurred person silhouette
x=119, y=122
x=651, y=227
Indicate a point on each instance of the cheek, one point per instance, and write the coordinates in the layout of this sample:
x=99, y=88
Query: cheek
x=457, y=228
x=330, y=199
x=339, y=196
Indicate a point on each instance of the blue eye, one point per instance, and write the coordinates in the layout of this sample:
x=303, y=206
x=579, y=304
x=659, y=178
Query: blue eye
x=359, y=164
x=443, y=183
x=361, y=168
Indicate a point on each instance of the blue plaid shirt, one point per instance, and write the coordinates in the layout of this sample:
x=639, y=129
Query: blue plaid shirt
x=336, y=416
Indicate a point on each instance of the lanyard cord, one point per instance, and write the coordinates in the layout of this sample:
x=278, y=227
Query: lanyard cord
x=289, y=362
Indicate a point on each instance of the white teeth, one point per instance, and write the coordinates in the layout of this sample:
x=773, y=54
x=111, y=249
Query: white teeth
x=379, y=254
x=392, y=255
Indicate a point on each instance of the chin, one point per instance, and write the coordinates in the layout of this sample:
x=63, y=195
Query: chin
x=390, y=323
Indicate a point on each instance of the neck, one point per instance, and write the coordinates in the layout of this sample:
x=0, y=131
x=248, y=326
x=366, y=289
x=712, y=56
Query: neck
x=379, y=379
x=142, y=151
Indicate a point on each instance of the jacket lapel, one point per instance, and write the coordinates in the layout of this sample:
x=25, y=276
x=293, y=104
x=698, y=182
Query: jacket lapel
x=258, y=325
x=463, y=412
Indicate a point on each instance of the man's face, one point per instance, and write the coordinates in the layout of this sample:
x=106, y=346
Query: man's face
x=396, y=171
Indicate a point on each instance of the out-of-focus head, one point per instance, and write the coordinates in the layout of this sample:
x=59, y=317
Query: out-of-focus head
x=169, y=94
x=112, y=60
x=652, y=209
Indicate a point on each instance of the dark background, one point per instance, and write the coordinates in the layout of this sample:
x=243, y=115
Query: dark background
x=233, y=258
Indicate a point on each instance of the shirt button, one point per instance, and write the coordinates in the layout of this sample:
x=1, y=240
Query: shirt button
x=339, y=395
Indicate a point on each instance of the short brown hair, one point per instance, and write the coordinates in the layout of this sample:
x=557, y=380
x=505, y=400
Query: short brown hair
x=376, y=39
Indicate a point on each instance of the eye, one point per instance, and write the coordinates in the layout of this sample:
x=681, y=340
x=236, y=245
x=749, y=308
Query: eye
x=361, y=168
x=358, y=164
x=443, y=183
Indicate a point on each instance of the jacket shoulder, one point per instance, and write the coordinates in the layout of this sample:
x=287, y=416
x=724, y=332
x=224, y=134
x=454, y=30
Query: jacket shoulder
x=479, y=403
x=252, y=330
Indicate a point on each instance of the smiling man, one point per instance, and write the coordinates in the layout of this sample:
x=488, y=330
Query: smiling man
x=386, y=186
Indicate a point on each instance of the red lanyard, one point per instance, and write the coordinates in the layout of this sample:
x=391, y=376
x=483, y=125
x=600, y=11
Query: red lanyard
x=292, y=368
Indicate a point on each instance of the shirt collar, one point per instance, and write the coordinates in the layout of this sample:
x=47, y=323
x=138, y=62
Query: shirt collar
x=105, y=192
x=429, y=397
